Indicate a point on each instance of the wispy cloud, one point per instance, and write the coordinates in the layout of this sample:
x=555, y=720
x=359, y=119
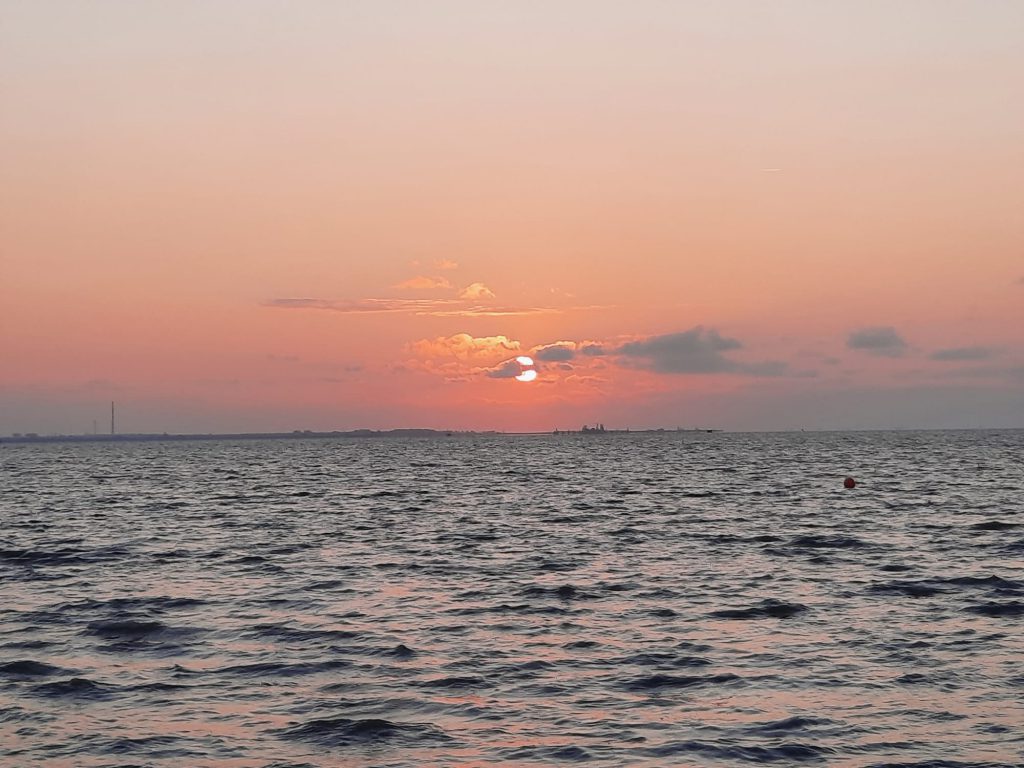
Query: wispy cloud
x=423, y=307
x=365, y=306
x=877, y=340
x=445, y=264
x=479, y=311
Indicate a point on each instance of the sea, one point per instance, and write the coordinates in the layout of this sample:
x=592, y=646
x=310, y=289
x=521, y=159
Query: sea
x=665, y=599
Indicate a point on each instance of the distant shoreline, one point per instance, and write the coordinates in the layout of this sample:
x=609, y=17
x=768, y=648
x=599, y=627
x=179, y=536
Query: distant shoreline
x=310, y=435
x=29, y=439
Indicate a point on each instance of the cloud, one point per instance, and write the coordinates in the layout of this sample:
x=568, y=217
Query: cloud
x=445, y=264
x=476, y=292
x=465, y=348
x=955, y=354
x=1019, y=280
x=559, y=351
x=878, y=340
x=461, y=356
x=506, y=370
x=692, y=351
x=424, y=283
x=592, y=349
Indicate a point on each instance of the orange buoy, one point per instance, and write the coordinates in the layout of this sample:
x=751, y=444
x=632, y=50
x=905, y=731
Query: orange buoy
x=849, y=483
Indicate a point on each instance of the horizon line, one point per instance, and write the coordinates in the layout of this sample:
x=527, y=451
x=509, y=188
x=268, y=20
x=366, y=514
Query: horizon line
x=412, y=432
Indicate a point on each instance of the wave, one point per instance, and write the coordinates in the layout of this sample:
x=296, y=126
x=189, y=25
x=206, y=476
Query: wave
x=1007, y=610
x=282, y=669
x=30, y=668
x=663, y=659
x=660, y=681
x=344, y=732
x=126, y=628
x=782, y=753
x=770, y=608
x=567, y=753
x=291, y=634
x=796, y=723
x=75, y=688
x=63, y=556
x=563, y=592
x=836, y=541
x=995, y=525
x=468, y=681
x=909, y=588
x=943, y=764
x=992, y=582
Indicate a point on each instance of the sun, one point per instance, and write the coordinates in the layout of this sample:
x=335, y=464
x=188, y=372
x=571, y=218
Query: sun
x=529, y=373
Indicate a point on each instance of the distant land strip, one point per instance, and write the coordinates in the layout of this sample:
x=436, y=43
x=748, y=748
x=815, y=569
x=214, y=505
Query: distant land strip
x=310, y=435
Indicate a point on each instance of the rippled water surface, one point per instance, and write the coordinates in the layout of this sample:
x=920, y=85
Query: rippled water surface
x=660, y=599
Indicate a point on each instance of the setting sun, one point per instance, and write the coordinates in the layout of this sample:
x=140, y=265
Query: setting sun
x=529, y=373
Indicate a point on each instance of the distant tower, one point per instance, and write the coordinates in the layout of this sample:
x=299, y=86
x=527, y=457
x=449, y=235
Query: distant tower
x=111, y=417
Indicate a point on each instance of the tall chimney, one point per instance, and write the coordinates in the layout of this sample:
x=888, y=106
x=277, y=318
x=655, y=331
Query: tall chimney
x=111, y=417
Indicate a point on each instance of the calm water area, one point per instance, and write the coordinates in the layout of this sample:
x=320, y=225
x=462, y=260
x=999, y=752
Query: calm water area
x=679, y=599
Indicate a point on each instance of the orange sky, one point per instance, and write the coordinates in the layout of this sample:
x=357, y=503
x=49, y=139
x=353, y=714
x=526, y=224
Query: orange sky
x=260, y=215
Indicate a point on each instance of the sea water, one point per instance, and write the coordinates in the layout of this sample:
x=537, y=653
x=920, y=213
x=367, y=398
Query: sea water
x=679, y=599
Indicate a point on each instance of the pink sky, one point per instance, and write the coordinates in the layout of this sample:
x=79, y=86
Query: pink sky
x=331, y=215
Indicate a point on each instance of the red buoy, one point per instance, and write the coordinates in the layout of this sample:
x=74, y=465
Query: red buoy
x=849, y=483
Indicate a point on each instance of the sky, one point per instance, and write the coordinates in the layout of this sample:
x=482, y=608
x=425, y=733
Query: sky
x=257, y=215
